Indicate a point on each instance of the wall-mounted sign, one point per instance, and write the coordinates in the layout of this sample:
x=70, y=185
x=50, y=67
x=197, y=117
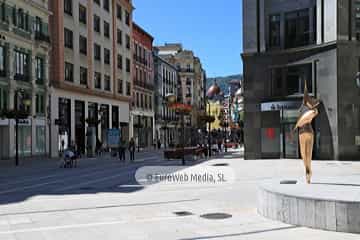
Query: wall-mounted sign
x=277, y=106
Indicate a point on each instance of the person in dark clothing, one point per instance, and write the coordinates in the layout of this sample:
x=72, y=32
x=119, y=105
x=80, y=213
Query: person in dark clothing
x=122, y=149
x=132, y=149
x=159, y=143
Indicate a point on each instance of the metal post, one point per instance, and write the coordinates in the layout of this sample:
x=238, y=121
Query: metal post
x=16, y=130
x=139, y=119
x=209, y=133
x=183, y=139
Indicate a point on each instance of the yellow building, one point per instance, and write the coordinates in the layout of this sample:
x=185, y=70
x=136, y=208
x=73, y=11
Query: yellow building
x=215, y=109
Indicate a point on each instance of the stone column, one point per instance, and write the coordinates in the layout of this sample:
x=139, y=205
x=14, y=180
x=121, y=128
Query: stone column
x=11, y=104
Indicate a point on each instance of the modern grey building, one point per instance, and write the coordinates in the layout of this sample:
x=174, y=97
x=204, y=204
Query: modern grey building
x=289, y=42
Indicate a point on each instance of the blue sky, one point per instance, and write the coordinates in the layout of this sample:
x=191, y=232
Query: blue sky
x=212, y=29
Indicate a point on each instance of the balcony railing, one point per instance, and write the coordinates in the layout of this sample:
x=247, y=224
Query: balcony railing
x=20, y=77
x=39, y=36
x=144, y=84
x=140, y=60
x=186, y=70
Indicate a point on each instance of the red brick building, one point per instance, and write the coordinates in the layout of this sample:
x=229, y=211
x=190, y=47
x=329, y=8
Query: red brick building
x=142, y=117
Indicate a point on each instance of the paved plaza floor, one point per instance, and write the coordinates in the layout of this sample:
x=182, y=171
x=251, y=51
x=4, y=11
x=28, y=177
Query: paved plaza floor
x=101, y=199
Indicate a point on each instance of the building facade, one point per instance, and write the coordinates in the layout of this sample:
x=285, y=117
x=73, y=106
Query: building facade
x=142, y=111
x=91, y=71
x=191, y=84
x=166, y=119
x=24, y=59
x=285, y=44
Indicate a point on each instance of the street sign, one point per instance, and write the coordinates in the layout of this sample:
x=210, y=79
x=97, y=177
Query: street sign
x=113, y=137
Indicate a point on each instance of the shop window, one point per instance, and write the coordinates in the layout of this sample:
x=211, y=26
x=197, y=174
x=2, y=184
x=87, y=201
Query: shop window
x=40, y=140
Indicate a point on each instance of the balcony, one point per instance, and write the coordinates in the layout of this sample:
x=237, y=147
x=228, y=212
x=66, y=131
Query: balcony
x=20, y=77
x=145, y=85
x=39, y=36
x=186, y=70
x=140, y=60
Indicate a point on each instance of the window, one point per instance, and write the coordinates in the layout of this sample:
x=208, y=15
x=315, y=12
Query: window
x=297, y=29
x=68, y=35
x=106, y=56
x=2, y=61
x=39, y=70
x=107, y=85
x=145, y=101
x=97, y=52
x=38, y=25
x=128, y=88
x=83, y=45
x=127, y=18
x=83, y=76
x=68, y=7
x=97, y=24
x=40, y=104
x=274, y=31
x=69, y=72
x=137, y=100
x=106, y=5
x=119, y=37
x=119, y=61
x=357, y=19
x=118, y=12
x=127, y=41
x=106, y=29
x=82, y=14
x=21, y=66
x=120, y=86
x=97, y=80
x=142, y=101
x=3, y=99
x=128, y=65
x=150, y=102
x=97, y=2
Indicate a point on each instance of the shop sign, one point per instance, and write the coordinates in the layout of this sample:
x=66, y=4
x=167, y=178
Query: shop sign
x=22, y=122
x=4, y=122
x=278, y=106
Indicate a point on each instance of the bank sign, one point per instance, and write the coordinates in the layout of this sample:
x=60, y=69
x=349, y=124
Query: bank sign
x=277, y=106
x=113, y=137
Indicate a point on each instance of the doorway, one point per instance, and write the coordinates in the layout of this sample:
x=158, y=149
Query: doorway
x=80, y=126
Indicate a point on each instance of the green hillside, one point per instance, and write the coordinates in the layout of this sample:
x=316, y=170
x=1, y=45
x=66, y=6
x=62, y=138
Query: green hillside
x=223, y=81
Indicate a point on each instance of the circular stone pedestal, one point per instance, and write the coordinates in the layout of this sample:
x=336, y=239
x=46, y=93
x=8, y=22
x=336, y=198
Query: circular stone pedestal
x=328, y=203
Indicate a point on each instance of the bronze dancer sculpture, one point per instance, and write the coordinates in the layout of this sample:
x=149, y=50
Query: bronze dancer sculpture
x=306, y=133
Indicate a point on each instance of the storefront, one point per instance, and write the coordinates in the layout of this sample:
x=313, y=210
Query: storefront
x=278, y=134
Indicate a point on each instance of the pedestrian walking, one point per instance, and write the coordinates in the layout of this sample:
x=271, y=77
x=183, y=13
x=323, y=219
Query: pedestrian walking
x=132, y=149
x=122, y=149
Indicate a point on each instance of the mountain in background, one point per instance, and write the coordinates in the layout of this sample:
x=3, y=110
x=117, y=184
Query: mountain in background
x=223, y=82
